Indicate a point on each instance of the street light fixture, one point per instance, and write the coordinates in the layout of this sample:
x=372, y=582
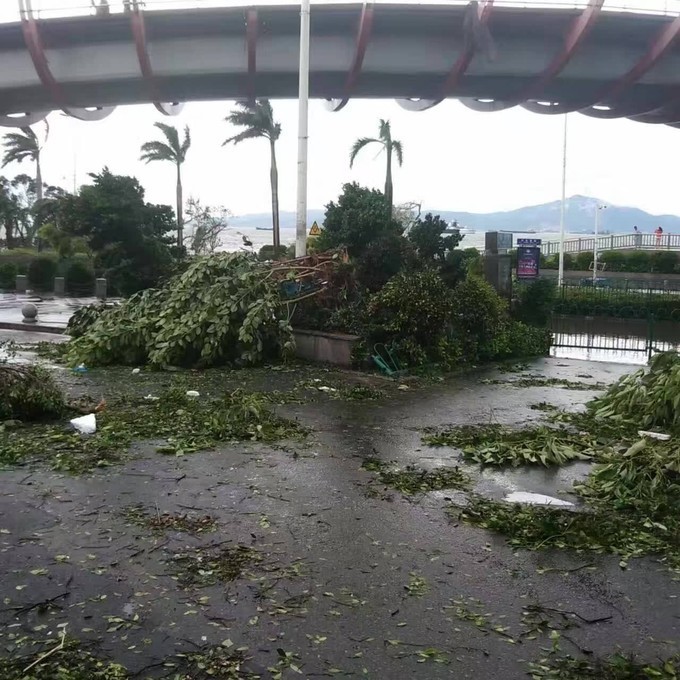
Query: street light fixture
x=597, y=228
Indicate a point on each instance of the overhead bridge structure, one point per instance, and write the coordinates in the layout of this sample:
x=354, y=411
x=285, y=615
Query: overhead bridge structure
x=582, y=56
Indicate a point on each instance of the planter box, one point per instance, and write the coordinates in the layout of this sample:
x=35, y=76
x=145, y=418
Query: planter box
x=329, y=348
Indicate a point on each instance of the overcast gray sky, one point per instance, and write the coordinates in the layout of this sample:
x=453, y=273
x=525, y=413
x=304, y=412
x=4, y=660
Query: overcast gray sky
x=454, y=158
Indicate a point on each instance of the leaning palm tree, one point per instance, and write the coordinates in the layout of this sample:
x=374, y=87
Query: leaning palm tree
x=390, y=146
x=25, y=145
x=257, y=119
x=176, y=153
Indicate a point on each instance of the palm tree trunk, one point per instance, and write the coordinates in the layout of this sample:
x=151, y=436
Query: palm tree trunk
x=274, y=177
x=388, y=180
x=9, y=232
x=38, y=179
x=180, y=208
x=38, y=194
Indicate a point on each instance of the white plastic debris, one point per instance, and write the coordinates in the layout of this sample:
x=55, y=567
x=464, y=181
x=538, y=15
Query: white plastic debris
x=325, y=388
x=403, y=388
x=536, y=499
x=85, y=424
x=150, y=397
x=654, y=435
x=135, y=371
x=193, y=394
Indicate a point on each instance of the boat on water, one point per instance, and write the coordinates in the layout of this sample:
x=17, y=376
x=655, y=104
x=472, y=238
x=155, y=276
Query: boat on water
x=463, y=231
x=264, y=228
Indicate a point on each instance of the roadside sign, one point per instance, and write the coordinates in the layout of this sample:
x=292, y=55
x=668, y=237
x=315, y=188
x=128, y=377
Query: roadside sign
x=315, y=230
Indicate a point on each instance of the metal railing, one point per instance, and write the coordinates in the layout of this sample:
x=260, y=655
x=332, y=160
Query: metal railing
x=614, y=242
x=46, y=9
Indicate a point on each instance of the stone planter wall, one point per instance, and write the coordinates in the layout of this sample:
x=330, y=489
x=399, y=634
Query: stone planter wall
x=330, y=348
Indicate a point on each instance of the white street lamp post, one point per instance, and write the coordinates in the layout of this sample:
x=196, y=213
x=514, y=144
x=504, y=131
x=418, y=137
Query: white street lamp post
x=560, y=270
x=303, y=133
x=597, y=228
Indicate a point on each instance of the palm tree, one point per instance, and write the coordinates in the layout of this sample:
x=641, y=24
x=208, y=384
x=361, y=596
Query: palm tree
x=175, y=152
x=25, y=145
x=390, y=146
x=258, y=120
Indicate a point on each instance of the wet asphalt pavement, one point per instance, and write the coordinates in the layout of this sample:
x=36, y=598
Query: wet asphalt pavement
x=337, y=559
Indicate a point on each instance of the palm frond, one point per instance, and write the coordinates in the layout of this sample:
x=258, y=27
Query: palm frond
x=170, y=134
x=185, y=144
x=250, y=133
x=257, y=117
x=359, y=145
x=385, y=131
x=156, y=151
x=399, y=151
x=20, y=146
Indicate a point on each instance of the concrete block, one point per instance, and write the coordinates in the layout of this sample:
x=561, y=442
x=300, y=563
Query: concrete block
x=329, y=348
x=21, y=283
x=59, y=285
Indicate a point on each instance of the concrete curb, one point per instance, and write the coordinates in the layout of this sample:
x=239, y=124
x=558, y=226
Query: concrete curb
x=33, y=328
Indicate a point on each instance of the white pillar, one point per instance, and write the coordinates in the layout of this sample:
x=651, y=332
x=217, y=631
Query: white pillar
x=303, y=132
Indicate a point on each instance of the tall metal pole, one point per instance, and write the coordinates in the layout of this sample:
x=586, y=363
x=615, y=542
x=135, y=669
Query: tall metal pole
x=560, y=270
x=597, y=228
x=303, y=133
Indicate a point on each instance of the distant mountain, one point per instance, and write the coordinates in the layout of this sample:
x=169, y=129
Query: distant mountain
x=580, y=217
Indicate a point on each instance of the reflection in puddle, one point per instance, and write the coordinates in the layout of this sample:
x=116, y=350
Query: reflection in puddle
x=626, y=341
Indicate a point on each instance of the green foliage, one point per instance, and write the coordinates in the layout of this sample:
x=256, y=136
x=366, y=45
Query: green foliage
x=79, y=277
x=21, y=257
x=644, y=399
x=69, y=662
x=128, y=236
x=615, y=667
x=183, y=423
x=358, y=218
x=459, y=264
x=412, y=308
x=535, y=302
x=500, y=446
x=411, y=480
x=224, y=309
x=517, y=340
x=41, y=273
x=382, y=259
x=630, y=261
x=270, y=252
x=428, y=238
x=28, y=393
x=479, y=316
x=8, y=274
x=82, y=319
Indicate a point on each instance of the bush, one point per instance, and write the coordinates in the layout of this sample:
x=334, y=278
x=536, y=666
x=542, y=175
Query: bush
x=535, y=302
x=83, y=318
x=8, y=275
x=41, y=273
x=479, y=315
x=359, y=217
x=79, y=278
x=582, y=261
x=517, y=340
x=459, y=264
x=224, y=309
x=665, y=262
x=269, y=252
x=28, y=393
x=21, y=257
x=382, y=259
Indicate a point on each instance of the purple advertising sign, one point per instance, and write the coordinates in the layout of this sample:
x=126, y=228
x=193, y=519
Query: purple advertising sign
x=528, y=258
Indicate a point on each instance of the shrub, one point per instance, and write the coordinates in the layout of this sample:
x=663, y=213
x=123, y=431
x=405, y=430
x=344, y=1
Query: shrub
x=41, y=273
x=83, y=318
x=359, y=217
x=638, y=261
x=535, y=302
x=79, y=278
x=615, y=260
x=28, y=393
x=270, y=252
x=517, y=340
x=459, y=264
x=21, y=257
x=224, y=309
x=583, y=260
x=382, y=259
x=665, y=262
x=8, y=274
x=479, y=315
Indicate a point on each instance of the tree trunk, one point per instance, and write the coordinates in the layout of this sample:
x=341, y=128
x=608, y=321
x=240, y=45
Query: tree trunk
x=9, y=233
x=38, y=179
x=274, y=176
x=180, y=209
x=388, y=180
